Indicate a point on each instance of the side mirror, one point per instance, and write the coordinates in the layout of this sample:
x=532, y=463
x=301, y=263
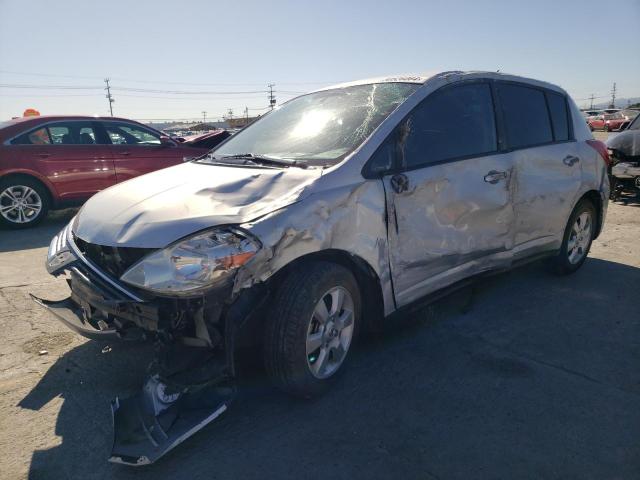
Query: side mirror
x=166, y=141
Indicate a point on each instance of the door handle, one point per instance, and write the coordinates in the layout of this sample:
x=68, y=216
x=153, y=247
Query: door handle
x=569, y=160
x=124, y=153
x=44, y=155
x=494, y=176
x=399, y=183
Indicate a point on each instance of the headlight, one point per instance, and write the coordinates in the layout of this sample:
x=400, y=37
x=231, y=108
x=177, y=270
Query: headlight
x=194, y=263
x=59, y=254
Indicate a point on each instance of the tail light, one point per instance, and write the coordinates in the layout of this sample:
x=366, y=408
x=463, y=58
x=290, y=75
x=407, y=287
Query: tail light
x=601, y=148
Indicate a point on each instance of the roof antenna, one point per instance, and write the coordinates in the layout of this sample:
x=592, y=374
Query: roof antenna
x=498, y=71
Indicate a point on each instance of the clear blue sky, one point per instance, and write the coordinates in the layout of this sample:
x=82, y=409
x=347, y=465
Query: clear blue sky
x=241, y=46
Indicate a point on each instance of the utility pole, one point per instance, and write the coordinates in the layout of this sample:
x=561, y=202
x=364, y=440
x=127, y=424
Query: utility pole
x=246, y=115
x=272, y=99
x=109, y=96
x=613, y=96
x=591, y=97
x=204, y=116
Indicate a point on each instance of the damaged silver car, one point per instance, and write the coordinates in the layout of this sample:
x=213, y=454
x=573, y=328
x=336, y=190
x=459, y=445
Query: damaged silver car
x=324, y=218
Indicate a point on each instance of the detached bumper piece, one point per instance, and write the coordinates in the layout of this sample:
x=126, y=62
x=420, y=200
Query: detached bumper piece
x=69, y=313
x=153, y=422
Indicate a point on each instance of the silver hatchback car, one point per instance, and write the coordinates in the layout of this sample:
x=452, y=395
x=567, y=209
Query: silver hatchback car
x=322, y=219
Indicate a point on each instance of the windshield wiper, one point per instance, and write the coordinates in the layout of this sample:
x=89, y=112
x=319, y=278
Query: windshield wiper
x=266, y=159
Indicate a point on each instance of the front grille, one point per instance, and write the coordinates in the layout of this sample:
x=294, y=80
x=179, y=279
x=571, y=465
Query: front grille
x=113, y=261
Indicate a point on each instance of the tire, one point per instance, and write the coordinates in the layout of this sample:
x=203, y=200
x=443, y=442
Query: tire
x=29, y=199
x=294, y=325
x=576, y=243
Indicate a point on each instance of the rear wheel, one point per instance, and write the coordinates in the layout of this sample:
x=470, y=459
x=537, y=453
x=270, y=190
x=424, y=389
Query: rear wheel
x=24, y=202
x=311, y=327
x=577, y=238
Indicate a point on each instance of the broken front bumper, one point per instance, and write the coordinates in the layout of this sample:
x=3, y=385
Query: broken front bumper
x=71, y=315
x=150, y=424
x=192, y=377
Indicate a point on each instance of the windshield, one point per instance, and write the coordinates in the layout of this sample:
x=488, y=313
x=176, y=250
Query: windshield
x=635, y=125
x=320, y=128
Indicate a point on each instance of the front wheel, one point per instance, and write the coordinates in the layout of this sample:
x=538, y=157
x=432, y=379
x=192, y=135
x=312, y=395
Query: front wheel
x=311, y=327
x=577, y=238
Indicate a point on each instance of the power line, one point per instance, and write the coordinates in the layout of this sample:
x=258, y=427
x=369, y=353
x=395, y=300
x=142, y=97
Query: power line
x=128, y=89
x=50, y=87
x=134, y=80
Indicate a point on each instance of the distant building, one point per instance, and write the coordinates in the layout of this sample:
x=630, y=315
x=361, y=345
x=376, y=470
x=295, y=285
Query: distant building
x=240, y=122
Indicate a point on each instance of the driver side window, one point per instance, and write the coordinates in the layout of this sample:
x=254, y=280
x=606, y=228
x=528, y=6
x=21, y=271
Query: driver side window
x=454, y=122
x=128, y=134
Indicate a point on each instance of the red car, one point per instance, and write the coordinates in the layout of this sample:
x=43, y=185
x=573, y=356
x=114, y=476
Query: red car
x=610, y=122
x=55, y=162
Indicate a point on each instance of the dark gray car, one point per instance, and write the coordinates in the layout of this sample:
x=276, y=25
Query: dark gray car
x=322, y=219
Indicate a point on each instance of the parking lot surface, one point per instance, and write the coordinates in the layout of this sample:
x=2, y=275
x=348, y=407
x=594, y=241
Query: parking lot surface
x=536, y=376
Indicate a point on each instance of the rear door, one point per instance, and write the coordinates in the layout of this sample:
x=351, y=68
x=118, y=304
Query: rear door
x=72, y=155
x=598, y=122
x=547, y=175
x=137, y=150
x=449, y=193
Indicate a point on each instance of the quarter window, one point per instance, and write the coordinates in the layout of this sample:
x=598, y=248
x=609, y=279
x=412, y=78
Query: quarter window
x=525, y=114
x=558, y=110
x=451, y=123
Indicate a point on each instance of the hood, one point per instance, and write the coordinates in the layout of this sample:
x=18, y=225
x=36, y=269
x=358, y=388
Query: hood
x=156, y=209
x=627, y=142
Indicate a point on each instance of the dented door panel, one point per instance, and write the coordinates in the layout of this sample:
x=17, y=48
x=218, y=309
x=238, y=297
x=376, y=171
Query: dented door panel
x=546, y=179
x=450, y=223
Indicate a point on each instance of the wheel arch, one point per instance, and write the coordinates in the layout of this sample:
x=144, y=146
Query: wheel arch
x=33, y=176
x=598, y=203
x=368, y=280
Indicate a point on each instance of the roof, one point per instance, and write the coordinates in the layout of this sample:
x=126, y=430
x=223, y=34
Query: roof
x=68, y=117
x=423, y=78
x=387, y=79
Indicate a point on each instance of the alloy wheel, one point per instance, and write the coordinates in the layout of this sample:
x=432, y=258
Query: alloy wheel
x=579, y=238
x=20, y=204
x=330, y=332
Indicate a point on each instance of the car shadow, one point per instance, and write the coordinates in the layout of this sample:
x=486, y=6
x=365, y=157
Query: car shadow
x=38, y=236
x=500, y=384
x=628, y=200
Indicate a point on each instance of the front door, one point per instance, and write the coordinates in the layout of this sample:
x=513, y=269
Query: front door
x=449, y=196
x=137, y=150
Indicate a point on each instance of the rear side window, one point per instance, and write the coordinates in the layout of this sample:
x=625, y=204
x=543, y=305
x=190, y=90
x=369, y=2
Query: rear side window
x=559, y=119
x=525, y=115
x=451, y=123
x=35, y=137
x=62, y=133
